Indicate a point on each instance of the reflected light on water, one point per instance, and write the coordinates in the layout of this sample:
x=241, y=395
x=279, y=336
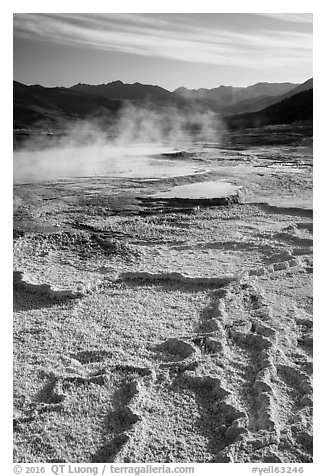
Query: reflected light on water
x=136, y=161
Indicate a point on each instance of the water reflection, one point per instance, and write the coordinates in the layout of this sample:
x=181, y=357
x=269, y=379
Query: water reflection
x=140, y=161
x=200, y=190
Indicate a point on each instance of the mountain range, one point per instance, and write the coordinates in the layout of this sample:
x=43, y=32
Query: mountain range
x=259, y=104
x=221, y=99
x=294, y=108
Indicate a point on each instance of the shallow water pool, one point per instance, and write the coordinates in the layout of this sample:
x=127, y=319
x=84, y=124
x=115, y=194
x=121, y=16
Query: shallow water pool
x=141, y=161
x=200, y=190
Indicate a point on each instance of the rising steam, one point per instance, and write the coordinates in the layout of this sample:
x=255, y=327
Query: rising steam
x=92, y=147
x=166, y=125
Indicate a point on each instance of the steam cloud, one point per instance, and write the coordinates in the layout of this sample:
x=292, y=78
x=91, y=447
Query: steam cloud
x=89, y=147
x=166, y=125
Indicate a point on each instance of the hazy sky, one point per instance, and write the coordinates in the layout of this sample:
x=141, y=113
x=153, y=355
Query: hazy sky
x=168, y=49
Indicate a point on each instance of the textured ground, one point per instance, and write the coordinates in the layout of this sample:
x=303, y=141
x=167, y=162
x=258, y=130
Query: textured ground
x=149, y=334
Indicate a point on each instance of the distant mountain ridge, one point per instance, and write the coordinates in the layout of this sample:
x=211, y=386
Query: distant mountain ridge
x=295, y=108
x=38, y=105
x=50, y=106
x=120, y=90
x=224, y=97
x=261, y=102
x=271, y=89
x=219, y=99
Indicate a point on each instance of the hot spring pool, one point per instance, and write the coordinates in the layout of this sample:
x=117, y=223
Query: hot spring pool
x=203, y=190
